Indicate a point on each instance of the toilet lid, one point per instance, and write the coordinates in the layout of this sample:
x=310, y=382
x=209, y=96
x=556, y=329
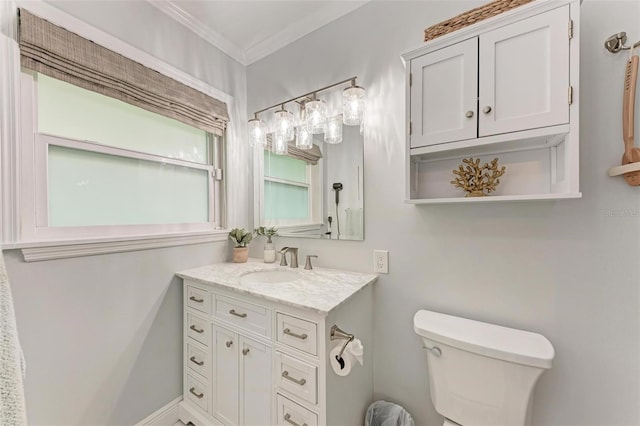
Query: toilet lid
x=448, y=422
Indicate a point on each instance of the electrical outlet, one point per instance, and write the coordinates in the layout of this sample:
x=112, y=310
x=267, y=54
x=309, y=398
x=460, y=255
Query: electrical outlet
x=381, y=261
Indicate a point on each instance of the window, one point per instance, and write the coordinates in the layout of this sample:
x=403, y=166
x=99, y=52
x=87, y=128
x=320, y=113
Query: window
x=102, y=167
x=292, y=194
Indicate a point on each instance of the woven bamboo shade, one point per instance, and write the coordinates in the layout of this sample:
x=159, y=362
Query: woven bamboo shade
x=471, y=17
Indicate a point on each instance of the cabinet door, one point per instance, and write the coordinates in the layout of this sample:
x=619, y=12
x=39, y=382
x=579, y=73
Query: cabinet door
x=444, y=95
x=226, y=377
x=255, y=377
x=524, y=74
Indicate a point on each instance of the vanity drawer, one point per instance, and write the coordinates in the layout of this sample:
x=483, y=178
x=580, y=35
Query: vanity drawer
x=290, y=413
x=199, y=329
x=297, y=377
x=198, y=360
x=197, y=392
x=251, y=317
x=198, y=299
x=297, y=333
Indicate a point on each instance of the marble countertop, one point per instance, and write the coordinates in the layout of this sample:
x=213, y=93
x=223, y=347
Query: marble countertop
x=320, y=290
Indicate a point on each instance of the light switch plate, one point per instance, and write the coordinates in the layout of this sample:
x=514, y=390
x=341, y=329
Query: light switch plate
x=381, y=261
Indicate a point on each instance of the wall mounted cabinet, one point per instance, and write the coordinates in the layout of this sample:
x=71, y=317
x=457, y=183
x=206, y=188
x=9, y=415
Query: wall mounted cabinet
x=506, y=87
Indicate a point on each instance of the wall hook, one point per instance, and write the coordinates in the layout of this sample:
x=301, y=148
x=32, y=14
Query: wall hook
x=616, y=43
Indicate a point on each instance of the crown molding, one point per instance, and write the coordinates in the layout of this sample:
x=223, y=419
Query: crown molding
x=298, y=30
x=199, y=28
x=264, y=48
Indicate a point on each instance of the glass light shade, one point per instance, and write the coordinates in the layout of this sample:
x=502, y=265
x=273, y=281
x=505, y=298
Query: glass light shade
x=304, y=138
x=316, y=116
x=333, y=132
x=280, y=146
x=283, y=125
x=353, y=105
x=257, y=132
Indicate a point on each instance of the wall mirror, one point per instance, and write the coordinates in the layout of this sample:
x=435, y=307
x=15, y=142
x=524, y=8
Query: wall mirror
x=316, y=193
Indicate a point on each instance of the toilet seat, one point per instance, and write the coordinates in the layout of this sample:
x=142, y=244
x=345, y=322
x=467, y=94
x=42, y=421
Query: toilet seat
x=448, y=422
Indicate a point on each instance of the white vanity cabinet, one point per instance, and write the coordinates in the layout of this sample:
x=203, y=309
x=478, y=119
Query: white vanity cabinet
x=260, y=356
x=506, y=87
x=242, y=389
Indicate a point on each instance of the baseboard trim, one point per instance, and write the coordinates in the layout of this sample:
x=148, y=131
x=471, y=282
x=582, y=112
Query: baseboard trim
x=165, y=416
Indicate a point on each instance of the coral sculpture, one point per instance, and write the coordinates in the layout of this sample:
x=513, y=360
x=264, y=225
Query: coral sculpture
x=478, y=180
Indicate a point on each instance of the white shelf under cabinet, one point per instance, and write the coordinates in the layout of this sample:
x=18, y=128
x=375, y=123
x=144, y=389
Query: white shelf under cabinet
x=524, y=117
x=490, y=199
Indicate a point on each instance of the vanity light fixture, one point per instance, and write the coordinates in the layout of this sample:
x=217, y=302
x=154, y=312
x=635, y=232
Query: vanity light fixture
x=283, y=124
x=316, y=115
x=333, y=133
x=304, y=138
x=280, y=145
x=313, y=116
x=257, y=132
x=353, y=104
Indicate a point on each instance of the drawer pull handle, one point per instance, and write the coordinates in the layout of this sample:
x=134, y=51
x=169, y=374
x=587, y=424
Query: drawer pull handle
x=287, y=418
x=196, y=329
x=297, y=336
x=229, y=343
x=301, y=382
x=196, y=300
x=245, y=351
x=198, y=395
x=233, y=312
x=196, y=362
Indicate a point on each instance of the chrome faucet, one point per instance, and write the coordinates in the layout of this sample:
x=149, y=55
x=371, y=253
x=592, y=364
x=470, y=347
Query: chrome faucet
x=294, y=256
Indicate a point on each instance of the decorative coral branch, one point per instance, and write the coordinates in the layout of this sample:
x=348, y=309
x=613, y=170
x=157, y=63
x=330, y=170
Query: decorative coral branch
x=476, y=179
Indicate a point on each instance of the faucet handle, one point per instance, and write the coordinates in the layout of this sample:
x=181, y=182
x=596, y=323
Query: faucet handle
x=283, y=256
x=307, y=263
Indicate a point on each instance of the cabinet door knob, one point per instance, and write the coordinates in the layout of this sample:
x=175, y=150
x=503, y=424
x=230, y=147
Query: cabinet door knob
x=245, y=351
x=229, y=343
x=469, y=114
x=486, y=109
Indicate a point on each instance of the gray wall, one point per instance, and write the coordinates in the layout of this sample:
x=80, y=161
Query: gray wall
x=102, y=335
x=566, y=269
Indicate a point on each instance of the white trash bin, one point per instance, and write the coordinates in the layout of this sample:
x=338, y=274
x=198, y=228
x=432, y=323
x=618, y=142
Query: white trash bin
x=383, y=413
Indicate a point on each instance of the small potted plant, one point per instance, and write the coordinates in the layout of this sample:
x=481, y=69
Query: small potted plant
x=269, y=247
x=241, y=238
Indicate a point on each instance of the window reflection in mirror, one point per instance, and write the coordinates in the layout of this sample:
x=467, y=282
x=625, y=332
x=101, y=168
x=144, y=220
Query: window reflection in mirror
x=314, y=193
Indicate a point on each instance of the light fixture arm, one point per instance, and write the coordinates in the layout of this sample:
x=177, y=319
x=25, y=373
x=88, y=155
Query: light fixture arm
x=314, y=93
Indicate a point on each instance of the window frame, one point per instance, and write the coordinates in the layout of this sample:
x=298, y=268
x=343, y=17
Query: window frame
x=11, y=172
x=314, y=185
x=33, y=192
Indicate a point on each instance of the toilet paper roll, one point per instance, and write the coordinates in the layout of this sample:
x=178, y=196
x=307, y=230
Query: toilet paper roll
x=347, y=358
x=356, y=349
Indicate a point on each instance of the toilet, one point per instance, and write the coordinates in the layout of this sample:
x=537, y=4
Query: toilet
x=481, y=374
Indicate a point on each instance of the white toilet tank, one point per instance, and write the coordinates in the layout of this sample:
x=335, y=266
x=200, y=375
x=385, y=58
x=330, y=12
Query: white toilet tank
x=481, y=374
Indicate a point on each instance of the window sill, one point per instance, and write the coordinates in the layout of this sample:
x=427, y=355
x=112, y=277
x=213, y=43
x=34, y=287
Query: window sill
x=50, y=250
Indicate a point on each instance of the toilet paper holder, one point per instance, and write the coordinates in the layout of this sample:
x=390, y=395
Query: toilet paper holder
x=337, y=334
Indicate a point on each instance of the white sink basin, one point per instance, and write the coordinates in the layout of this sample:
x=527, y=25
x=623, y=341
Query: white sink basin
x=269, y=277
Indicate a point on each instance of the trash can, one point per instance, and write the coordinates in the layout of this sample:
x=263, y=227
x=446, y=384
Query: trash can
x=383, y=413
